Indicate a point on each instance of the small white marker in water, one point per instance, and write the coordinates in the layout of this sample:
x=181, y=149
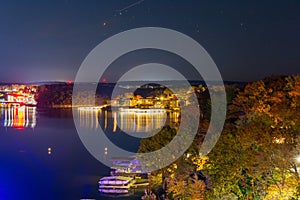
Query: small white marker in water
x=49, y=150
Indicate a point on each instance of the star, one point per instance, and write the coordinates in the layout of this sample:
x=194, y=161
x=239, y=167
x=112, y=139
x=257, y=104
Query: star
x=243, y=26
x=221, y=12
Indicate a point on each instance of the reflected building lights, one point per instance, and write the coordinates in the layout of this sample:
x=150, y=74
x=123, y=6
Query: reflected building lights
x=88, y=118
x=115, y=122
x=96, y=120
x=105, y=119
x=131, y=120
x=141, y=120
x=18, y=116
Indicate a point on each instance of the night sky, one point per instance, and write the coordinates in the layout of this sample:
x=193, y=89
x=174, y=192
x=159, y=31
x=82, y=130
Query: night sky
x=48, y=40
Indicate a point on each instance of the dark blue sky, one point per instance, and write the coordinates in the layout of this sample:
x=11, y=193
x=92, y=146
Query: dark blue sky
x=48, y=40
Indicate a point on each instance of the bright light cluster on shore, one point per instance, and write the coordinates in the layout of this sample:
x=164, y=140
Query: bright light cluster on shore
x=91, y=108
x=142, y=111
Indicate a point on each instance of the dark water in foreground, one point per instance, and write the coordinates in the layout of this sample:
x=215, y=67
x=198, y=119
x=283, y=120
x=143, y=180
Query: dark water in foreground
x=42, y=157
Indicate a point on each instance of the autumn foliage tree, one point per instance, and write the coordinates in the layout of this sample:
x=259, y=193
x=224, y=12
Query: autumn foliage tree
x=255, y=156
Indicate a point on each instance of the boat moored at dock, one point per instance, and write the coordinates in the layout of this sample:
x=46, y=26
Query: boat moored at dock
x=115, y=184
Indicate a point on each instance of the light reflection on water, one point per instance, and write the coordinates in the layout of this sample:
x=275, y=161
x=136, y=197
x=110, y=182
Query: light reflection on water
x=134, y=121
x=18, y=116
x=43, y=159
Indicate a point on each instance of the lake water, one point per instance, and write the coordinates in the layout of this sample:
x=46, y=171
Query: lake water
x=42, y=156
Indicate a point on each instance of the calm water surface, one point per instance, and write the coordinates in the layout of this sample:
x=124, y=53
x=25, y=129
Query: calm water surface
x=42, y=157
